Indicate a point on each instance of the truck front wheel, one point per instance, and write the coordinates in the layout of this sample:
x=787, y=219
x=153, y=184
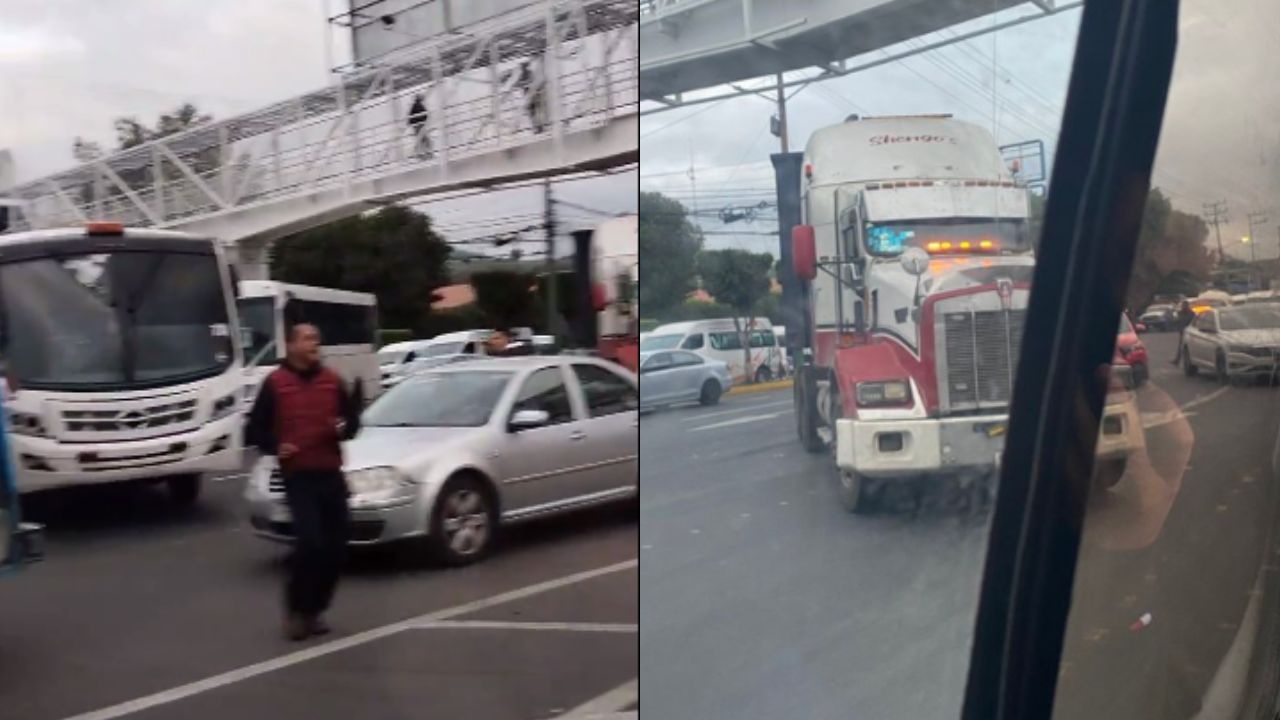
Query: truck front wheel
x=857, y=493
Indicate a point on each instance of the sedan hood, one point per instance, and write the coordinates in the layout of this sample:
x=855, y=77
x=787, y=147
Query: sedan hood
x=1254, y=338
x=394, y=446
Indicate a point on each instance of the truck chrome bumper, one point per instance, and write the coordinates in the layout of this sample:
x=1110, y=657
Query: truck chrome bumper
x=890, y=448
x=897, y=448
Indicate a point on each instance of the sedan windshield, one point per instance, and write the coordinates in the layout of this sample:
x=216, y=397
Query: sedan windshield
x=1254, y=317
x=659, y=342
x=114, y=320
x=455, y=399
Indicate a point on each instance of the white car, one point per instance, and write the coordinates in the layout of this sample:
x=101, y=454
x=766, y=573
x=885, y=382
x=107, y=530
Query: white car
x=449, y=454
x=1239, y=341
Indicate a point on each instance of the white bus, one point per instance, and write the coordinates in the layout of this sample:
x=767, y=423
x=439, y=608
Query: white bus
x=119, y=358
x=718, y=340
x=348, y=323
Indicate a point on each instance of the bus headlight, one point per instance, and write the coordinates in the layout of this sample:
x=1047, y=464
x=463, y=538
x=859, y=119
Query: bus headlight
x=23, y=423
x=225, y=405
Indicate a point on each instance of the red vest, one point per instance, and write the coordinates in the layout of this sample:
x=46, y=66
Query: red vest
x=307, y=415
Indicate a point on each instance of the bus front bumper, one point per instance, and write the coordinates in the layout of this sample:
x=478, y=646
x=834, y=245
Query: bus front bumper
x=44, y=463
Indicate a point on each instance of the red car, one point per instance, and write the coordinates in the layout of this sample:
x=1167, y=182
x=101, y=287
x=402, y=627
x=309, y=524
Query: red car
x=1131, y=351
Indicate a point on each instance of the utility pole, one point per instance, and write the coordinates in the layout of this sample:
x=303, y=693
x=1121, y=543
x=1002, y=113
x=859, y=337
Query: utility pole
x=549, y=210
x=782, y=113
x=1258, y=219
x=1216, y=213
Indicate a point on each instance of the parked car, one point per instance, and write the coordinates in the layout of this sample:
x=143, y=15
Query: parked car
x=1235, y=342
x=392, y=358
x=669, y=377
x=450, y=454
x=1132, y=351
x=720, y=340
x=1160, y=318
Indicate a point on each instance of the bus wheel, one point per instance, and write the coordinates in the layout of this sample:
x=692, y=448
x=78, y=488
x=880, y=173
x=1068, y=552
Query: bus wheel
x=184, y=489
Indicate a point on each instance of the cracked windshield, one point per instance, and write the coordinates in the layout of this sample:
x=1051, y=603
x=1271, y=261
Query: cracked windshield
x=840, y=217
x=319, y=340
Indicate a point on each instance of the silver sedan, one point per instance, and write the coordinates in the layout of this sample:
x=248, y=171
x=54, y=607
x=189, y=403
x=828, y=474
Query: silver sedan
x=448, y=454
x=668, y=377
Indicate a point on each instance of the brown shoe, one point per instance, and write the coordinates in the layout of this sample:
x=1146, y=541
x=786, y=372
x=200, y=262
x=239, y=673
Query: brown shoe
x=296, y=628
x=317, y=626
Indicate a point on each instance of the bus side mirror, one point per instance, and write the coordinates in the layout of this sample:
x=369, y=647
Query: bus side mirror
x=804, y=252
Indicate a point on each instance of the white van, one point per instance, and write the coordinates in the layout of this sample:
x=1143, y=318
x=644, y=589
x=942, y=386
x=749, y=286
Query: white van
x=718, y=340
x=393, y=358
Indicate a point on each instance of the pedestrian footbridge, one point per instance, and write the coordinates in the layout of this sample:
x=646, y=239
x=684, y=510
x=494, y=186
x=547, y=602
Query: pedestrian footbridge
x=349, y=147
x=695, y=44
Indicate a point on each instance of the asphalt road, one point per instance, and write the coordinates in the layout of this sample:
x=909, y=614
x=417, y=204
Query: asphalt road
x=762, y=598
x=144, y=611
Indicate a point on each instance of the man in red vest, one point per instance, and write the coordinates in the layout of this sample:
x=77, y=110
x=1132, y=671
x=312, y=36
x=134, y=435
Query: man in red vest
x=301, y=415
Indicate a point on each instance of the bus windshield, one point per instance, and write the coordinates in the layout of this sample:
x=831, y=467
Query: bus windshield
x=258, y=327
x=960, y=236
x=116, y=320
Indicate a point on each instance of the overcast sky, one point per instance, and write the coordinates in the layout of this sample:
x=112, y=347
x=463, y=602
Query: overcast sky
x=70, y=67
x=1221, y=136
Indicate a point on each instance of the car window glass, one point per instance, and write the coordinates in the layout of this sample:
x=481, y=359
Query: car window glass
x=658, y=361
x=693, y=342
x=605, y=391
x=685, y=359
x=941, y=144
x=1173, y=606
x=545, y=390
x=725, y=341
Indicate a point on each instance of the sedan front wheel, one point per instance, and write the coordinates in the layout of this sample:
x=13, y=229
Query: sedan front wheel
x=463, y=522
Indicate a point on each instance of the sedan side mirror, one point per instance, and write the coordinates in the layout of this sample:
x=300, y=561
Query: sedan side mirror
x=528, y=420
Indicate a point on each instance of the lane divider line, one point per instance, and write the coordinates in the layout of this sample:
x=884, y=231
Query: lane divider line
x=748, y=408
x=541, y=626
x=608, y=705
x=230, y=677
x=736, y=421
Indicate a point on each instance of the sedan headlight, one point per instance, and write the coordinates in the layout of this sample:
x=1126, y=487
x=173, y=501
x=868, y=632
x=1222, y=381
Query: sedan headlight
x=885, y=392
x=1252, y=351
x=23, y=423
x=379, y=487
x=226, y=405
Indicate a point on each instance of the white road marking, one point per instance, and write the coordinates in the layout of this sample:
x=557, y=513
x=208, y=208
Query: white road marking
x=237, y=476
x=294, y=658
x=736, y=421
x=610, y=704
x=1152, y=420
x=749, y=408
x=554, y=626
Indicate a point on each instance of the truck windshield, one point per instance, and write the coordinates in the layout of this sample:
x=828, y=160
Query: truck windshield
x=258, y=326
x=118, y=320
x=951, y=237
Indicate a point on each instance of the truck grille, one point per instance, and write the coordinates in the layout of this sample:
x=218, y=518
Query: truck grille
x=979, y=355
x=275, y=483
x=181, y=412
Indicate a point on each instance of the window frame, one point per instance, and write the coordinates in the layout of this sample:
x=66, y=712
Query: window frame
x=1115, y=108
x=581, y=388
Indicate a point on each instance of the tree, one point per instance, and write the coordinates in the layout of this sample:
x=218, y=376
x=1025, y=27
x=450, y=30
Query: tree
x=669, y=245
x=393, y=253
x=504, y=296
x=1171, y=241
x=739, y=279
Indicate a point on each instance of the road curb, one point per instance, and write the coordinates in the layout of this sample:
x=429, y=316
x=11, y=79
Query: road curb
x=759, y=387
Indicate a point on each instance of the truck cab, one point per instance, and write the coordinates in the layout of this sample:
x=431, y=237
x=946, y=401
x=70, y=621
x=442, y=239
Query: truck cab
x=917, y=261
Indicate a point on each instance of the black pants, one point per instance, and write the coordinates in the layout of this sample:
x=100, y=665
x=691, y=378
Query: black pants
x=318, y=502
